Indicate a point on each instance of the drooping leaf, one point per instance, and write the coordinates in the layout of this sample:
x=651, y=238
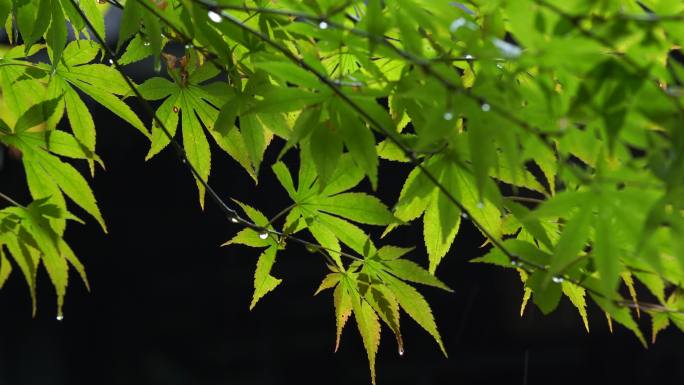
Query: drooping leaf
x=343, y=309
x=369, y=327
x=264, y=282
x=577, y=294
x=415, y=306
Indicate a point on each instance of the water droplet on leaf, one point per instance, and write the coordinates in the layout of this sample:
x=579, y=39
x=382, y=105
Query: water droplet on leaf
x=557, y=279
x=448, y=116
x=507, y=49
x=323, y=25
x=263, y=235
x=456, y=24
x=479, y=205
x=215, y=17
x=486, y=107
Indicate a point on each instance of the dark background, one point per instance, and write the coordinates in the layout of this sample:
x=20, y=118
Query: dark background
x=169, y=306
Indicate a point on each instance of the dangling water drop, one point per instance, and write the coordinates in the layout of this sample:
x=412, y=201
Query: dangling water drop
x=60, y=318
x=469, y=57
x=448, y=116
x=456, y=24
x=507, y=49
x=111, y=61
x=323, y=25
x=234, y=220
x=263, y=235
x=215, y=17
x=557, y=279
x=401, y=351
x=486, y=107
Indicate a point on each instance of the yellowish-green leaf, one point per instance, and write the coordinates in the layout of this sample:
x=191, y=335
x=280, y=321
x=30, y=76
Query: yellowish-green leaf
x=415, y=306
x=264, y=282
x=330, y=281
x=369, y=327
x=660, y=322
x=577, y=294
x=343, y=309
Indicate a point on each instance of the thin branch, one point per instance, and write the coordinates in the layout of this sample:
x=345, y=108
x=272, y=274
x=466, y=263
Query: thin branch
x=231, y=213
x=390, y=135
x=11, y=201
x=372, y=122
x=281, y=213
x=525, y=199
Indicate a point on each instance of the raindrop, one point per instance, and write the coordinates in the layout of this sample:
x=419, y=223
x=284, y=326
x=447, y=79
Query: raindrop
x=448, y=116
x=507, y=49
x=486, y=107
x=499, y=66
x=263, y=235
x=469, y=57
x=557, y=279
x=464, y=215
x=515, y=262
x=323, y=25
x=215, y=17
x=479, y=205
x=456, y=24
x=146, y=44
x=60, y=318
x=111, y=61
x=401, y=351
x=234, y=220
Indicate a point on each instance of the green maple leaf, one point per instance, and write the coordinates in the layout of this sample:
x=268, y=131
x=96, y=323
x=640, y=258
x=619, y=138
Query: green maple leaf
x=264, y=282
x=75, y=72
x=30, y=239
x=329, y=211
x=441, y=217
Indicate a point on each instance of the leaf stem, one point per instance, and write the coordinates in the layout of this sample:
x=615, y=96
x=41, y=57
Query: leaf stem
x=281, y=213
x=525, y=199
